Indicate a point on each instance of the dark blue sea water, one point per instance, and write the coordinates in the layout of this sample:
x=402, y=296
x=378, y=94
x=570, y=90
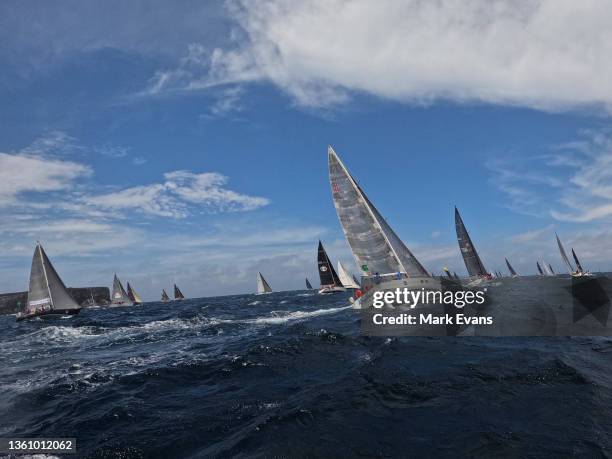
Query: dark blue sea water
x=288, y=375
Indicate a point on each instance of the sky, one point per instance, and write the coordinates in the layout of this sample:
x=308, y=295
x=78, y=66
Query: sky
x=186, y=141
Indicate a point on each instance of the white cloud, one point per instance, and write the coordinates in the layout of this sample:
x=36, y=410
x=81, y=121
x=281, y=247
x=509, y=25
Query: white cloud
x=22, y=173
x=176, y=195
x=548, y=54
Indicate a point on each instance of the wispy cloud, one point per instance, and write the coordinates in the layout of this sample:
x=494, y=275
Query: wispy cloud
x=416, y=52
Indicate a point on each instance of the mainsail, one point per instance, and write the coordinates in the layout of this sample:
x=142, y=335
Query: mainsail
x=578, y=265
x=262, y=285
x=133, y=295
x=308, y=284
x=120, y=296
x=539, y=268
x=375, y=246
x=510, y=268
x=570, y=268
x=47, y=292
x=164, y=296
x=178, y=295
x=327, y=274
x=345, y=278
x=468, y=251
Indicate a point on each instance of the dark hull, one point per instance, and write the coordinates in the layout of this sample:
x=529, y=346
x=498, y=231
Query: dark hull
x=49, y=314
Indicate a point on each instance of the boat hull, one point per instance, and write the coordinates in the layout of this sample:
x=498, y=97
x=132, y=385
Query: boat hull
x=53, y=314
x=331, y=290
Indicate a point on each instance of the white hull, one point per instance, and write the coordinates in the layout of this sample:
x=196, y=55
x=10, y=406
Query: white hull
x=330, y=290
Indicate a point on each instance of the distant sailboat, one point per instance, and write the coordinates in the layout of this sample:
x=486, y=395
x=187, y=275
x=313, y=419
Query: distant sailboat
x=510, y=268
x=262, y=285
x=178, y=295
x=164, y=296
x=133, y=295
x=346, y=280
x=308, y=285
x=120, y=296
x=552, y=271
x=570, y=268
x=472, y=261
x=539, y=268
x=330, y=282
x=547, y=270
x=384, y=260
x=47, y=294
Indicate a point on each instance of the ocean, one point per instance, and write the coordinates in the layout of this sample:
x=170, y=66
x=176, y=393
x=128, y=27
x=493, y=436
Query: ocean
x=288, y=375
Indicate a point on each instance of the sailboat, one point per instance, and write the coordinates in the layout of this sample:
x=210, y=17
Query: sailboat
x=384, y=260
x=134, y=297
x=178, y=295
x=510, y=268
x=539, y=268
x=579, y=270
x=472, y=261
x=164, y=296
x=120, y=296
x=47, y=294
x=262, y=285
x=346, y=279
x=330, y=282
x=552, y=271
x=308, y=285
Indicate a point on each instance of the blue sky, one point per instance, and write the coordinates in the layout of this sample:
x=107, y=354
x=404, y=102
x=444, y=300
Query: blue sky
x=188, y=143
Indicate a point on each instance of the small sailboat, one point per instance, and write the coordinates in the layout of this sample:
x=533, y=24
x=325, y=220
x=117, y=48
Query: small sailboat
x=47, y=294
x=346, y=279
x=308, y=285
x=133, y=295
x=579, y=269
x=510, y=268
x=578, y=272
x=178, y=295
x=330, y=282
x=539, y=268
x=472, y=260
x=164, y=296
x=262, y=285
x=120, y=296
x=552, y=271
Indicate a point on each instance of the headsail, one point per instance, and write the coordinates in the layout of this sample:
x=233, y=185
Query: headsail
x=345, y=278
x=468, y=251
x=552, y=271
x=120, y=296
x=47, y=292
x=133, y=295
x=375, y=246
x=539, y=268
x=570, y=268
x=308, y=285
x=164, y=296
x=510, y=268
x=262, y=285
x=578, y=265
x=327, y=273
x=178, y=295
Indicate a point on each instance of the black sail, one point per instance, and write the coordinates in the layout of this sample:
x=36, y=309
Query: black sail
x=327, y=273
x=578, y=265
x=551, y=270
x=468, y=251
x=308, y=284
x=539, y=268
x=510, y=268
x=178, y=295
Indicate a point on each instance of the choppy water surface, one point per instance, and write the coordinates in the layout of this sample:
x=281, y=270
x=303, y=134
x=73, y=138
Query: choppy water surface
x=288, y=374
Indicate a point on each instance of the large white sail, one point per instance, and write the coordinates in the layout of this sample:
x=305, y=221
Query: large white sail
x=47, y=292
x=570, y=268
x=119, y=295
x=375, y=246
x=345, y=277
x=262, y=285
